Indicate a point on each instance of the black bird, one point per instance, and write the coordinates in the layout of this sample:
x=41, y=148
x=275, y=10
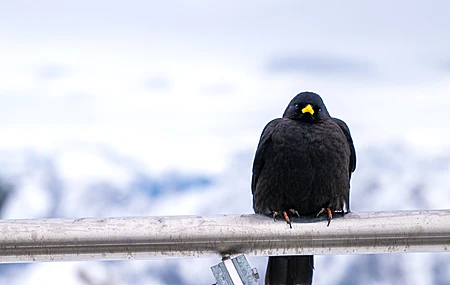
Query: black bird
x=303, y=165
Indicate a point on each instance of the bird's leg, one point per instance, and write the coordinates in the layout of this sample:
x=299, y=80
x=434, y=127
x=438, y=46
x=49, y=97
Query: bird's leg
x=329, y=214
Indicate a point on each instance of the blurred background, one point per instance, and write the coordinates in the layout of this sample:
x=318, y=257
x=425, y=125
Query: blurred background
x=137, y=108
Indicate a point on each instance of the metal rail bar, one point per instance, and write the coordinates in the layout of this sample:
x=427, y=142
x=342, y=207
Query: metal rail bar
x=192, y=236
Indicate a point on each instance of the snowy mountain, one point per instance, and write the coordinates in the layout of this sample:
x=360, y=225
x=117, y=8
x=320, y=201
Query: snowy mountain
x=84, y=181
x=138, y=108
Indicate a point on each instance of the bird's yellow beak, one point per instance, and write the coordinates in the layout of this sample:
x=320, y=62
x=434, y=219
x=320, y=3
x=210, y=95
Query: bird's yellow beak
x=308, y=109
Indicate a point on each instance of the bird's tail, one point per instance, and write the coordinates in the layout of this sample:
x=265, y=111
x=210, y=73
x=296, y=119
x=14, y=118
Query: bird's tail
x=290, y=270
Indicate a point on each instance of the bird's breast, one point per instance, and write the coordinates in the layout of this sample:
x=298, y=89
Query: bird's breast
x=308, y=162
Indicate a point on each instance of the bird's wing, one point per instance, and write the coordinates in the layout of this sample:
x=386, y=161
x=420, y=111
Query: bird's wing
x=346, y=130
x=264, y=141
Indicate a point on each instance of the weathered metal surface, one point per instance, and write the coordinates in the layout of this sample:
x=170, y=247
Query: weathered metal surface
x=235, y=271
x=191, y=236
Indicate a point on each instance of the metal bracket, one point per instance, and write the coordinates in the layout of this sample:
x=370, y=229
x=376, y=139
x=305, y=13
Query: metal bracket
x=235, y=271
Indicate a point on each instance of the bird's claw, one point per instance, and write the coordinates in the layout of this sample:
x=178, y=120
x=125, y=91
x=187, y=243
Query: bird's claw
x=329, y=214
x=284, y=215
x=275, y=214
x=294, y=212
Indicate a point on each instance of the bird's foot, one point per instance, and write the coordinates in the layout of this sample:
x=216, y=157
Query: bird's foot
x=284, y=215
x=329, y=214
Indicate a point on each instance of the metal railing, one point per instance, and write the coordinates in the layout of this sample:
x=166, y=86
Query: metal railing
x=193, y=236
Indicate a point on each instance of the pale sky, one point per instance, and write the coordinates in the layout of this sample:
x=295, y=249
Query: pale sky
x=143, y=76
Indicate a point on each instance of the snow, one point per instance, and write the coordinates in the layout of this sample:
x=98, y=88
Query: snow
x=157, y=110
x=389, y=177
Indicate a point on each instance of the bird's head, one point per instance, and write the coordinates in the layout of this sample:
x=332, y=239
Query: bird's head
x=306, y=107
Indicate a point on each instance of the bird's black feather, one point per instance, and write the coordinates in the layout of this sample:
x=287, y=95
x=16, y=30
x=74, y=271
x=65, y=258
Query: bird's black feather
x=304, y=162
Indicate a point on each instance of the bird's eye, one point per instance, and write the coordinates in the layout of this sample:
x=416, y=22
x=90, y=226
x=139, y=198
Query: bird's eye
x=320, y=109
x=297, y=106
